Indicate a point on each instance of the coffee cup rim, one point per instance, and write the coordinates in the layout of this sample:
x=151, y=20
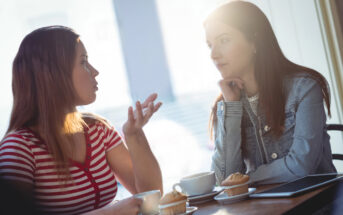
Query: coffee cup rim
x=196, y=175
x=142, y=194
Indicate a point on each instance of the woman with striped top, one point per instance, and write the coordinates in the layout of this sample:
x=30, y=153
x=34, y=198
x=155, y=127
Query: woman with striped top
x=70, y=161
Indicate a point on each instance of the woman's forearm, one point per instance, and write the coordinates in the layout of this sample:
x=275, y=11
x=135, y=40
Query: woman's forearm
x=146, y=169
x=227, y=157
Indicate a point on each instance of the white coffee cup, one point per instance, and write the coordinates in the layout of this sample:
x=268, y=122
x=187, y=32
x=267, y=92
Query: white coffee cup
x=197, y=184
x=150, y=203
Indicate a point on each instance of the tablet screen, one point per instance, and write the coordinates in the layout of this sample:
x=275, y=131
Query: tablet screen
x=300, y=185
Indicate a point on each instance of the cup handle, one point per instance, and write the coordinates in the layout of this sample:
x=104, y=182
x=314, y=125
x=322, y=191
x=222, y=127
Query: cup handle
x=177, y=185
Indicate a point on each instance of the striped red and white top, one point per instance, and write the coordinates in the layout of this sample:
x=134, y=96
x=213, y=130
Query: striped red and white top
x=24, y=157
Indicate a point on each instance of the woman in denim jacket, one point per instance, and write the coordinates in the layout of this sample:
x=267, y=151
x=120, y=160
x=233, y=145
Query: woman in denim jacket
x=269, y=121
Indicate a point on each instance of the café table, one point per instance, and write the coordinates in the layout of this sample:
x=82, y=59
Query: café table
x=311, y=202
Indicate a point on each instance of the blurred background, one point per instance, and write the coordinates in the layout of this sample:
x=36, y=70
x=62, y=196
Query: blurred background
x=145, y=46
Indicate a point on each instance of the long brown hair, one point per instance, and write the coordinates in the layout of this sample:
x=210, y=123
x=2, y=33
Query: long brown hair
x=271, y=66
x=43, y=91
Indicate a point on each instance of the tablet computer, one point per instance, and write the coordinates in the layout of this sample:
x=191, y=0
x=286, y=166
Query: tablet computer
x=300, y=185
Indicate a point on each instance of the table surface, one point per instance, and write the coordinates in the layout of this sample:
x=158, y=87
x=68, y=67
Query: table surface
x=257, y=205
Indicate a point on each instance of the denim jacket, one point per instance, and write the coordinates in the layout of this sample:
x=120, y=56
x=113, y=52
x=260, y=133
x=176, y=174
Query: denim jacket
x=303, y=148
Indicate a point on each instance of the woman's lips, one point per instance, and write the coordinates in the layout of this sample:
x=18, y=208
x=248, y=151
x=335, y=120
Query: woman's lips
x=221, y=65
x=96, y=86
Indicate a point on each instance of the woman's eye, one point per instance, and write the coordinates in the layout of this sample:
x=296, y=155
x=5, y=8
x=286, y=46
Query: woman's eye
x=224, y=40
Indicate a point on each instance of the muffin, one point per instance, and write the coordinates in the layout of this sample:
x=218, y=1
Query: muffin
x=173, y=203
x=235, y=180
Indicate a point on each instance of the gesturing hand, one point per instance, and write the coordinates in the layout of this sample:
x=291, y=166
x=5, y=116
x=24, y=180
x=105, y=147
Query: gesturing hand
x=231, y=88
x=138, y=118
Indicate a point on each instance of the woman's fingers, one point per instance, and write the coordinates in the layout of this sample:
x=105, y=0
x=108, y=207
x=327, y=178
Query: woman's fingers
x=231, y=88
x=130, y=115
x=150, y=98
x=143, y=111
x=157, y=106
x=149, y=112
x=139, y=112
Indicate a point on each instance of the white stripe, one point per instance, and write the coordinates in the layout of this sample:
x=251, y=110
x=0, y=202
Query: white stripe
x=108, y=192
x=44, y=156
x=114, y=146
x=92, y=138
x=109, y=136
x=97, y=150
x=21, y=140
x=66, y=203
x=95, y=142
x=102, y=171
x=45, y=177
x=96, y=159
x=108, y=184
x=63, y=189
x=25, y=166
x=92, y=128
x=38, y=149
x=28, y=154
x=116, y=139
x=100, y=165
x=69, y=195
x=46, y=171
x=104, y=179
x=14, y=157
x=45, y=163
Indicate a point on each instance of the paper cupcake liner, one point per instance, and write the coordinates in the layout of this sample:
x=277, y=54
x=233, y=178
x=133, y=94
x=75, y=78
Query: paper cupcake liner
x=172, y=204
x=234, y=186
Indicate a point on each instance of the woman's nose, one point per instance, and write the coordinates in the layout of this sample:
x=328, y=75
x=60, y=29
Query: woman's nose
x=215, y=54
x=94, y=71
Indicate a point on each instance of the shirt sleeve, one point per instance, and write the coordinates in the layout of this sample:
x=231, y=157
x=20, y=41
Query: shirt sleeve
x=16, y=159
x=112, y=139
x=227, y=156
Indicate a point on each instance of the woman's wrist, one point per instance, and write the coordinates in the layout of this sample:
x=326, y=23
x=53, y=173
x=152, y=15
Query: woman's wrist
x=134, y=135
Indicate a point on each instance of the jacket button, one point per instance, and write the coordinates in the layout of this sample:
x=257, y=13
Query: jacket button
x=266, y=128
x=274, y=155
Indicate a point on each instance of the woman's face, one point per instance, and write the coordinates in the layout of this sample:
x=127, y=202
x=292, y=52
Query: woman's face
x=231, y=52
x=84, y=77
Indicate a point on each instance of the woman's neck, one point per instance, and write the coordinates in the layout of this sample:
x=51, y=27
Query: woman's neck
x=250, y=84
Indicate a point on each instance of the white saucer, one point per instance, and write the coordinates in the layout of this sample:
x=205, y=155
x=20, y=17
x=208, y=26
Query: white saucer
x=223, y=198
x=215, y=191
x=190, y=210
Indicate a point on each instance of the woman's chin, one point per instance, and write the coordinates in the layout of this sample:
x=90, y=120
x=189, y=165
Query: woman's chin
x=87, y=101
x=229, y=76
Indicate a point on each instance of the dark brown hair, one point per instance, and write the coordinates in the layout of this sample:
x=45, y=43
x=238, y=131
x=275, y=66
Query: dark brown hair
x=43, y=91
x=271, y=66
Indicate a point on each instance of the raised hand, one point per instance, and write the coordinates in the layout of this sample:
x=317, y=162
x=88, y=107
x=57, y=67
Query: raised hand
x=138, y=118
x=231, y=88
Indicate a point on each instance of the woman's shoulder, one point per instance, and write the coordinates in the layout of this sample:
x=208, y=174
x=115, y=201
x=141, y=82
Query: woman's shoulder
x=298, y=85
x=97, y=123
x=302, y=82
x=299, y=78
x=92, y=119
x=22, y=138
